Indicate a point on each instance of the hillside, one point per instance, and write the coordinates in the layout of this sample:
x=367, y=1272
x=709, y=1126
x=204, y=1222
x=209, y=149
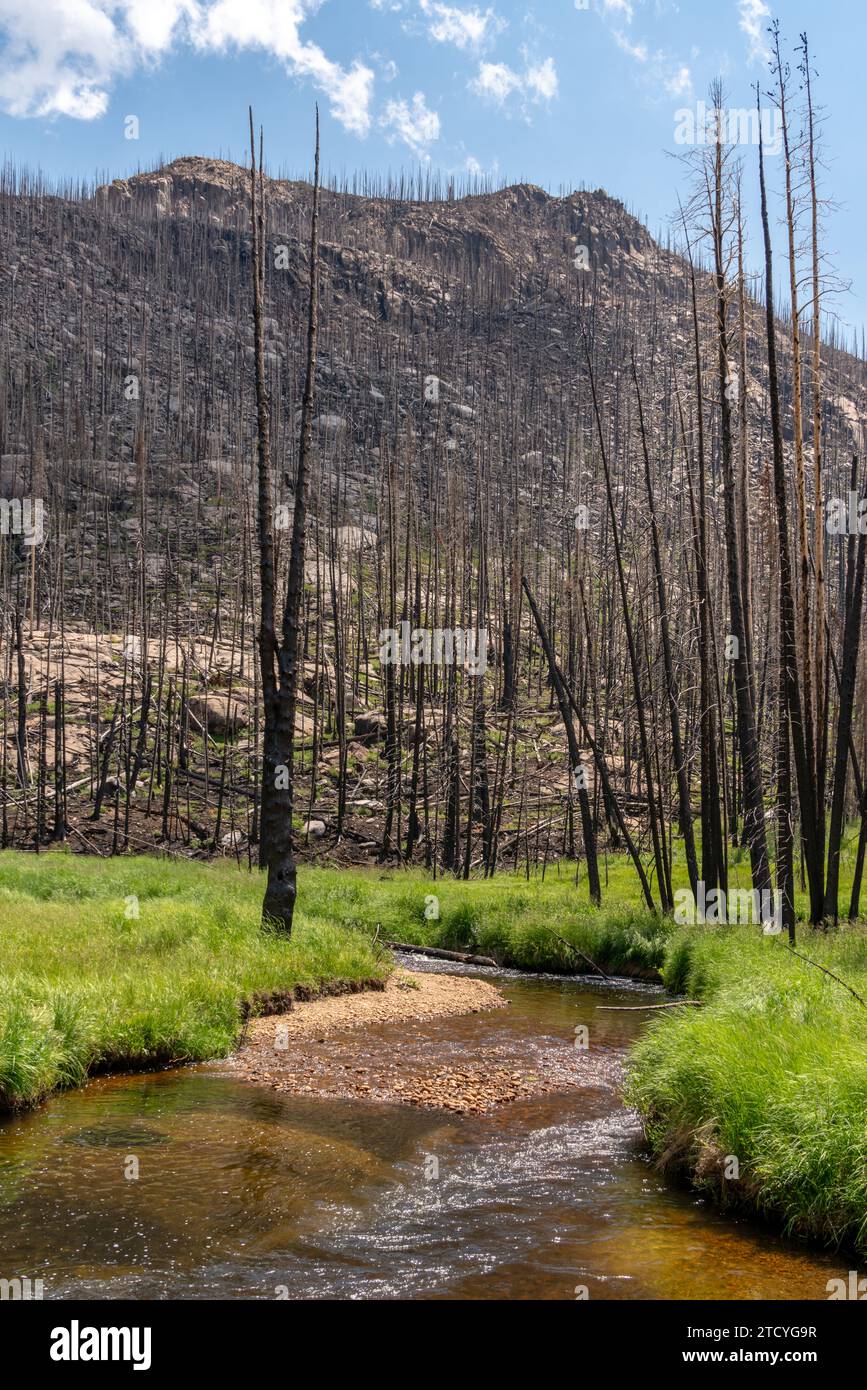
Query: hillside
x=456, y=449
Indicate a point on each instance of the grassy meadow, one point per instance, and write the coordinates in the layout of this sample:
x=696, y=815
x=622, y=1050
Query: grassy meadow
x=136, y=962
x=140, y=962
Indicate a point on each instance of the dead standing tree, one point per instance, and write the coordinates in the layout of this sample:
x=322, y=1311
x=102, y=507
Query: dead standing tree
x=279, y=661
x=754, y=825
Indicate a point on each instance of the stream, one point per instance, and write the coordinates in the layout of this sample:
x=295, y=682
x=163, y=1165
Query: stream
x=189, y=1183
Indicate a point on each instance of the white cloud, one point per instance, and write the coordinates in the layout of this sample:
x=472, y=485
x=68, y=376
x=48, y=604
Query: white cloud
x=153, y=24
x=679, y=82
x=638, y=51
x=414, y=123
x=753, y=14
x=59, y=57
x=496, y=82
x=542, y=79
x=620, y=7
x=477, y=170
x=274, y=25
x=62, y=57
x=463, y=28
x=661, y=70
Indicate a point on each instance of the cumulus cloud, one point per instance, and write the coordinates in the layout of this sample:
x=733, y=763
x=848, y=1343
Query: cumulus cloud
x=61, y=57
x=541, y=79
x=639, y=51
x=273, y=25
x=754, y=15
x=497, y=82
x=464, y=28
x=477, y=170
x=152, y=24
x=412, y=122
x=678, y=82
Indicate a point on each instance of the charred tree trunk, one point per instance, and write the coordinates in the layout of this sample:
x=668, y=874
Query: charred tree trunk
x=576, y=762
x=280, y=703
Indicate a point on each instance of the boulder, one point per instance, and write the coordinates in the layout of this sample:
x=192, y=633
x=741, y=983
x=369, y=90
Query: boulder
x=222, y=717
x=330, y=424
x=370, y=728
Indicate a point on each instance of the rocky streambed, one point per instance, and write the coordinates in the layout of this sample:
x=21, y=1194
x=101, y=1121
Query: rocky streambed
x=514, y=1172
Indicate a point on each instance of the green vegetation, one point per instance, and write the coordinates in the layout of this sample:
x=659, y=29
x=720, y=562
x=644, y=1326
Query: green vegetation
x=531, y=924
x=87, y=984
x=772, y=1071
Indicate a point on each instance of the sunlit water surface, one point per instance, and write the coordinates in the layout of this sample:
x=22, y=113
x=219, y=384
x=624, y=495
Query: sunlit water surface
x=245, y=1193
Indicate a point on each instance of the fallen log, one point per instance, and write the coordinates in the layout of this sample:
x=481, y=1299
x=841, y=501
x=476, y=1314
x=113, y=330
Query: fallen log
x=577, y=952
x=438, y=954
x=644, y=1008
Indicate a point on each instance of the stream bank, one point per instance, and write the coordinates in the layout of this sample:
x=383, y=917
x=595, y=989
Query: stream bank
x=339, y=1048
x=336, y=1047
x=758, y=1097
x=240, y=1191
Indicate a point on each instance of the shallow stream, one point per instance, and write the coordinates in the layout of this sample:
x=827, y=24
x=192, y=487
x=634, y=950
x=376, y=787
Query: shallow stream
x=245, y=1193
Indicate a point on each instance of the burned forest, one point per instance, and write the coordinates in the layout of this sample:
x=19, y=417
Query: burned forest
x=433, y=678
x=584, y=525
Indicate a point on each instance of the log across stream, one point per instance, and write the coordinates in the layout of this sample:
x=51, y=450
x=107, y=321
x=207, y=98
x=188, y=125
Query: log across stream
x=192, y=1183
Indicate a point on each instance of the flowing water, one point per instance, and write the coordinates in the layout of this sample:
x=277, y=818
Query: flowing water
x=243, y=1192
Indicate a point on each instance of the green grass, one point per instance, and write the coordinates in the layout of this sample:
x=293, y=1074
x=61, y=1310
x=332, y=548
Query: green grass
x=772, y=1071
x=521, y=923
x=85, y=984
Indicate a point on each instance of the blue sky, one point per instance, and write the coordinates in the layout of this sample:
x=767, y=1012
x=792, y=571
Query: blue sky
x=560, y=93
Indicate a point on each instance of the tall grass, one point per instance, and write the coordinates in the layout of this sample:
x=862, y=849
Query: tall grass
x=133, y=962
x=139, y=962
x=530, y=924
x=772, y=1072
